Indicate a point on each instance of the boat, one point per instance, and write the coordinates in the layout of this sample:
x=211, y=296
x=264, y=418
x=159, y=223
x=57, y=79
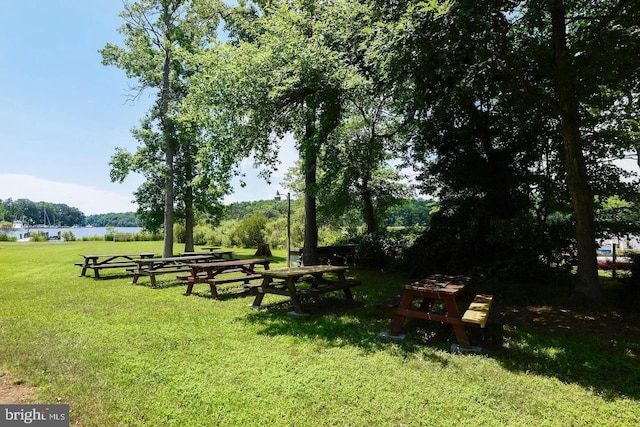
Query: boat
x=17, y=225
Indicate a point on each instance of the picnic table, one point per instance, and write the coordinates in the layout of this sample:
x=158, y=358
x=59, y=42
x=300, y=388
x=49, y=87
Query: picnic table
x=210, y=272
x=283, y=282
x=99, y=262
x=452, y=291
x=155, y=266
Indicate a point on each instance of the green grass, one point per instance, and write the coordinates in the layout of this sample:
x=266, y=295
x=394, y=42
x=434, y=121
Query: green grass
x=130, y=355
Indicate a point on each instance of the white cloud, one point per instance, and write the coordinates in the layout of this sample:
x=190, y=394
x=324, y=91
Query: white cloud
x=88, y=199
x=256, y=187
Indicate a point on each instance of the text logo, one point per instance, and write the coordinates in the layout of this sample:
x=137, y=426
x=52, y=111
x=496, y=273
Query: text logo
x=34, y=415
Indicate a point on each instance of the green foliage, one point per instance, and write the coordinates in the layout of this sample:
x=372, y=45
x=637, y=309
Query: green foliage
x=410, y=213
x=486, y=85
x=6, y=238
x=33, y=212
x=201, y=234
x=68, y=236
x=617, y=217
x=384, y=250
x=250, y=232
x=38, y=237
x=126, y=219
x=184, y=167
x=470, y=93
x=223, y=234
x=269, y=208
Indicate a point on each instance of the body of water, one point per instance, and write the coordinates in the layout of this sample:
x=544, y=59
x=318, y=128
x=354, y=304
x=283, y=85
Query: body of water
x=78, y=232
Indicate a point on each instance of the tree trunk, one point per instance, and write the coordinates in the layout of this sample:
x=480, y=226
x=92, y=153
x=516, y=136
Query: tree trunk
x=588, y=284
x=189, y=221
x=167, y=129
x=369, y=212
x=310, y=153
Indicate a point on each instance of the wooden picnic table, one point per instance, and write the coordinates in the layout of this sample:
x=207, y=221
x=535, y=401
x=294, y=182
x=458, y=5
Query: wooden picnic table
x=210, y=272
x=283, y=282
x=155, y=266
x=99, y=262
x=452, y=291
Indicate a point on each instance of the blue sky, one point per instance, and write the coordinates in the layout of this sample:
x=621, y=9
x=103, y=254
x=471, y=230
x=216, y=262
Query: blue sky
x=63, y=113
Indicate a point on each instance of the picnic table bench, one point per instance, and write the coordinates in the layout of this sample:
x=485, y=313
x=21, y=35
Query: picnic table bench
x=98, y=262
x=153, y=267
x=210, y=272
x=452, y=291
x=283, y=282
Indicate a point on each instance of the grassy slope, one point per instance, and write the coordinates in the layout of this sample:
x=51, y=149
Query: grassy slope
x=131, y=355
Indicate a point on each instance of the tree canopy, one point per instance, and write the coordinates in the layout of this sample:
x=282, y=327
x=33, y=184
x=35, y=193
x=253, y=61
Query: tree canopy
x=509, y=113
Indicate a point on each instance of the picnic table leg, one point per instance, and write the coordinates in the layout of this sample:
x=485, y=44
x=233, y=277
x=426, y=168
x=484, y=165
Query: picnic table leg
x=189, y=286
x=84, y=269
x=260, y=291
x=458, y=329
x=295, y=300
x=347, y=291
x=214, y=290
x=398, y=319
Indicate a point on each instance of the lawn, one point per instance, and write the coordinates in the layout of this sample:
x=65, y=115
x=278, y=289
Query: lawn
x=129, y=355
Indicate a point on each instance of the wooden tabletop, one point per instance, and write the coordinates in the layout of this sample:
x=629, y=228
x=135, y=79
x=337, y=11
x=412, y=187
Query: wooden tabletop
x=301, y=271
x=440, y=283
x=228, y=263
x=142, y=254
x=181, y=259
x=205, y=253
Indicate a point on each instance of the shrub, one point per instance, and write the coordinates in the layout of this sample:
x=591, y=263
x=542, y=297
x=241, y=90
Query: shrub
x=38, y=237
x=94, y=238
x=250, y=232
x=68, y=236
x=179, y=233
x=223, y=235
x=4, y=237
x=201, y=234
x=147, y=236
x=384, y=249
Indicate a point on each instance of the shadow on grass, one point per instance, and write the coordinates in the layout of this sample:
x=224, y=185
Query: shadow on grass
x=223, y=293
x=608, y=367
x=108, y=276
x=337, y=322
x=598, y=349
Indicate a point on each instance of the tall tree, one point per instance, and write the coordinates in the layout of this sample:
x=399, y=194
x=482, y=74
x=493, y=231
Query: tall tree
x=488, y=70
x=159, y=34
x=591, y=49
x=355, y=169
x=281, y=76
